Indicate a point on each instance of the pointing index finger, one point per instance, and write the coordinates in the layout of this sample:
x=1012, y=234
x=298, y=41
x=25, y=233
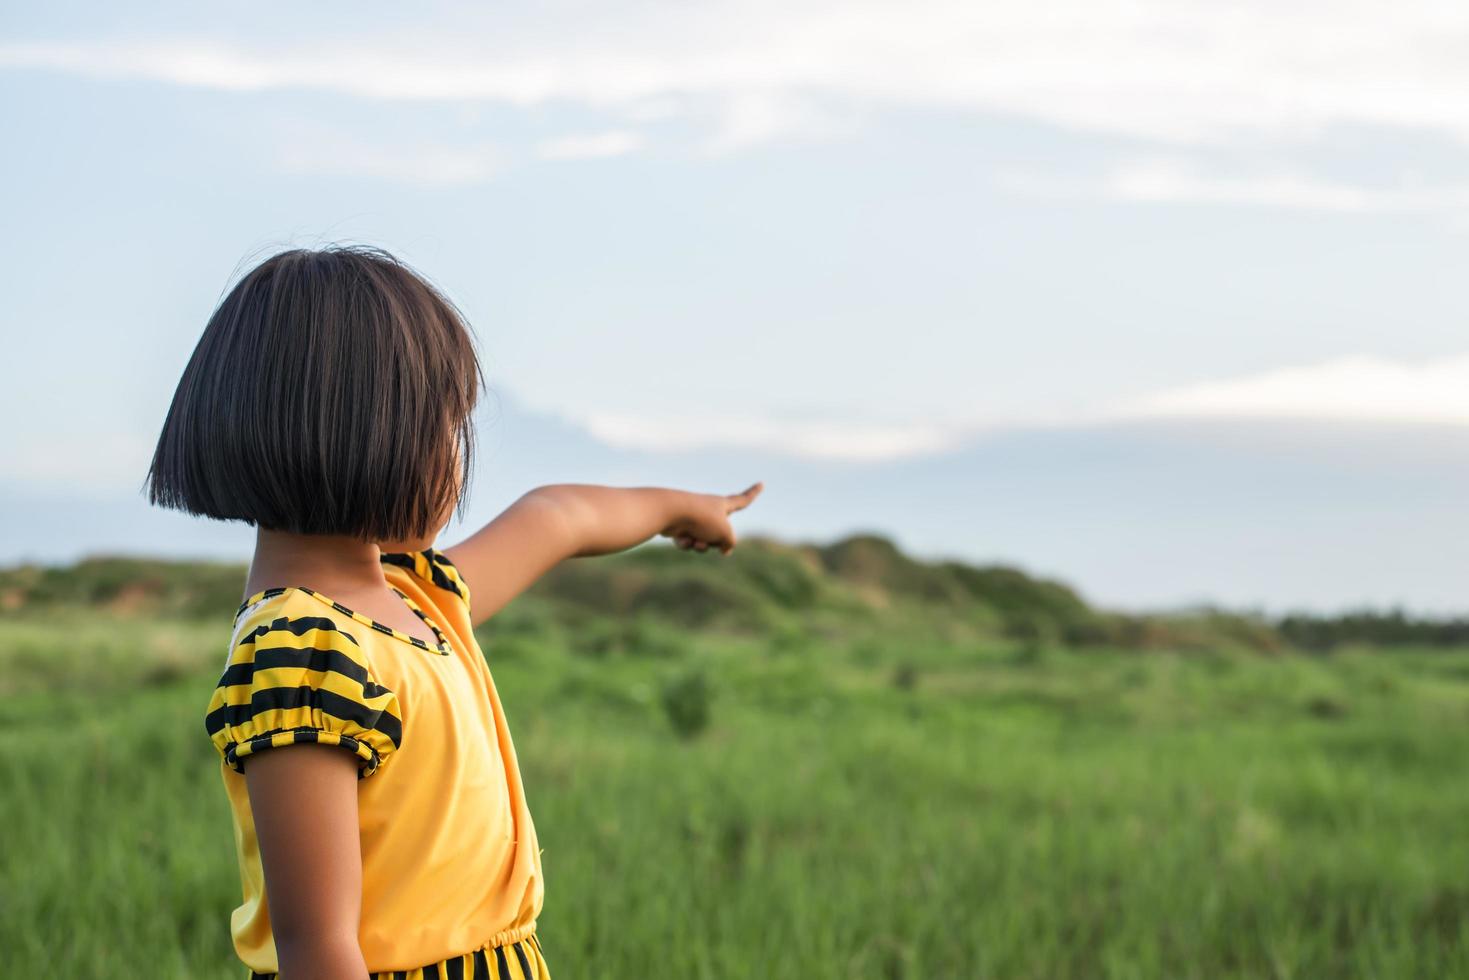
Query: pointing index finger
x=739, y=501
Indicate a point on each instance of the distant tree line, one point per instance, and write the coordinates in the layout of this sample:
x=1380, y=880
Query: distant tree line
x=1392, y=628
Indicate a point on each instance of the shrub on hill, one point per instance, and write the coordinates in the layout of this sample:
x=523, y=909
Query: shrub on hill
x=872, y=561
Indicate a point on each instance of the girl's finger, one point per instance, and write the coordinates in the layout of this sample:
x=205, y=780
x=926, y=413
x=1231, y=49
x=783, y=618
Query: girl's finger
x=739, y=501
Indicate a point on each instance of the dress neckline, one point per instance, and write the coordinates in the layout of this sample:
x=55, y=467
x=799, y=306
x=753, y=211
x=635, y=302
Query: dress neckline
x=442, y=647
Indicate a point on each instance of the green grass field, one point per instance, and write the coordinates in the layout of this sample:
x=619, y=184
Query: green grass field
x=905, y=802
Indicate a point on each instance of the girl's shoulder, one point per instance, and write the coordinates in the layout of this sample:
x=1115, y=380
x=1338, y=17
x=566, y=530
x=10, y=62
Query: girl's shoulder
x=432, y=572
x=432, y=569
x=295, y=672
x=282, y=608
x=275, y=596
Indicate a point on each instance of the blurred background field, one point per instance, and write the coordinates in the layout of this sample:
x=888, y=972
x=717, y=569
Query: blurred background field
x=804, y=761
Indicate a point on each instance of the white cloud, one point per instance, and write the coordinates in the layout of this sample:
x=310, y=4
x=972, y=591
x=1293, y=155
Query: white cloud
x=1182, y=71
x=1366, y=389
x=1168, y=181
x=815, y=439
x=1350, y=389
x=590, y=145
x=750, y=119
x=335, y=155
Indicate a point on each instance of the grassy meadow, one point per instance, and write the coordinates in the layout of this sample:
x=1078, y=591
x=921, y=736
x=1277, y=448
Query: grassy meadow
x=797, y=761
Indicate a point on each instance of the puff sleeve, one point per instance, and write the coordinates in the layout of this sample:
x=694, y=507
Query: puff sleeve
x=302, y=679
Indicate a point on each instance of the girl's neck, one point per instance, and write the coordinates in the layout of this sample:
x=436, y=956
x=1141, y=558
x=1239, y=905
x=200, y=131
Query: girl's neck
x=326, y=562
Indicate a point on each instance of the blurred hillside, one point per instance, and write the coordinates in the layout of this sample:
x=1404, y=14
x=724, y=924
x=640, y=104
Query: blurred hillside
x=862, y=585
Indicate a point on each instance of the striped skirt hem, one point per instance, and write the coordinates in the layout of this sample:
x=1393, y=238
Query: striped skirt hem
x=520, y=960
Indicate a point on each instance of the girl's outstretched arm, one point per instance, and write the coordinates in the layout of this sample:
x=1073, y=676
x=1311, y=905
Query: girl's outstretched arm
x=573, y=520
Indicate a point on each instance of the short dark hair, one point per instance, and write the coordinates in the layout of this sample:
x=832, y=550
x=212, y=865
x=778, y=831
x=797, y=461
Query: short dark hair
x=328, y=395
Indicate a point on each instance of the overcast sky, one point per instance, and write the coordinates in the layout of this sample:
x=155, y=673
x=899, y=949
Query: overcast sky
x=873, y=235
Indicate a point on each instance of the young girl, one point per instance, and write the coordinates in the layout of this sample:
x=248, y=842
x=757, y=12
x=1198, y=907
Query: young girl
x=328, y=403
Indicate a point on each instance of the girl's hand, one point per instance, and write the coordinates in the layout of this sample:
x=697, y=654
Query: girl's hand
x=575, y=520
x=707, y=521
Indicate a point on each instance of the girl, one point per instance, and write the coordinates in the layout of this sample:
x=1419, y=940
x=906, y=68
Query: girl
x=328, y=403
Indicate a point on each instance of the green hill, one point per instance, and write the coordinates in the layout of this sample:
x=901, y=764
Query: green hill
x=853, y=587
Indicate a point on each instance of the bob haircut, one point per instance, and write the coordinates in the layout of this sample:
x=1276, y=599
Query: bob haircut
x=331, y=393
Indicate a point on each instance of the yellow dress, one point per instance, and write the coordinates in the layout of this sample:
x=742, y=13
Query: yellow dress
x=451, y=869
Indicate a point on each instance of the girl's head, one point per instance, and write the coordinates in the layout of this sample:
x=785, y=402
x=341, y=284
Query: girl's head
x=331, y=393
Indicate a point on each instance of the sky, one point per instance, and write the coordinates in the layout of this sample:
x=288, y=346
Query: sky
x=1161, y=299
